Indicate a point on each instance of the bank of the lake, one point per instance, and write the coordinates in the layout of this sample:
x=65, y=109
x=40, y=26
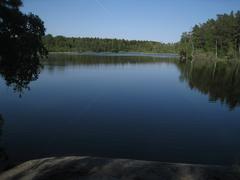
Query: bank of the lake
x=211, y=57
x=120, y=54
x=77, y=167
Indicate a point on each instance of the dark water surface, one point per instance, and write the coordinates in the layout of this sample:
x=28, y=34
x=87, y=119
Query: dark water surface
x=125, y=107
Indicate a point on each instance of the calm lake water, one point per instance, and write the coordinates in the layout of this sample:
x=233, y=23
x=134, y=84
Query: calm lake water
x=124, y=107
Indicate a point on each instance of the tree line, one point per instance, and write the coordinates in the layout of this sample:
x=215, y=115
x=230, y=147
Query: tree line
x=219, y=37
x=75, y=44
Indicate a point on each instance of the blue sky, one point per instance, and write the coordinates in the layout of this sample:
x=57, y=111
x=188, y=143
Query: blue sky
x=158, y=20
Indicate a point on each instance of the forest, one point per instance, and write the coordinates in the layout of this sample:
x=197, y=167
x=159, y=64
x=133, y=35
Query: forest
x=74, y=44
x=218, y=37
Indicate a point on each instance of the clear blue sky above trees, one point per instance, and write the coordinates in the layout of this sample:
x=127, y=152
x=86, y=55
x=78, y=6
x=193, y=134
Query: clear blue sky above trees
x=158, y=20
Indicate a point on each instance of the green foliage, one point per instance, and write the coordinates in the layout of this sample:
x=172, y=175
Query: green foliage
x=21, y=44
x=220, y=36
x=19, y=33
x=71, y=44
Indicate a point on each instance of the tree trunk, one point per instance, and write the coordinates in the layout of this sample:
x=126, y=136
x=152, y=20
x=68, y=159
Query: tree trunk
x=191, y=69
x=214, y=70
x=237, y=70
x=216, y=49
x=192, y=49
x=239, y=49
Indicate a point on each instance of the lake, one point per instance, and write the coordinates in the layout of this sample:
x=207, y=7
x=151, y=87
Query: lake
x=144, y=108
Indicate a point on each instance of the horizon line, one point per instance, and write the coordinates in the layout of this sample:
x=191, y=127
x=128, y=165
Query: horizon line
x=108, y=38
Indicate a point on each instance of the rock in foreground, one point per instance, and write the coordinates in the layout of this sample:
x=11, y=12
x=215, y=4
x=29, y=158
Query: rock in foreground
x=113, y=169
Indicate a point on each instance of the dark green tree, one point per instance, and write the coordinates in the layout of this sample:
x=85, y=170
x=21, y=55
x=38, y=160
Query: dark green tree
x=21, y=44
x=74, y=44
x=220, y=36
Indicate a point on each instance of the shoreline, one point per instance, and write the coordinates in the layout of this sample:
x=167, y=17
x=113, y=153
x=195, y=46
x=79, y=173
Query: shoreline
x=77, y=167
x=120, y=54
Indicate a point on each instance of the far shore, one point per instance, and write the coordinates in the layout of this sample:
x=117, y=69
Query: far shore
x=120, y=54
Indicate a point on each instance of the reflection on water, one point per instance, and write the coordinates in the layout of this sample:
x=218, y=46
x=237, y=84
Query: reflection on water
x=219, y=80
x=18, y=73
x=3, y=155
x=66, y=60
x=126, y=107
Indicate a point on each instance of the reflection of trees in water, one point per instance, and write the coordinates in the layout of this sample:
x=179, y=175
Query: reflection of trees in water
x=65, y=60
x=19, y=75
x=3, y=155
x=220, y=80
